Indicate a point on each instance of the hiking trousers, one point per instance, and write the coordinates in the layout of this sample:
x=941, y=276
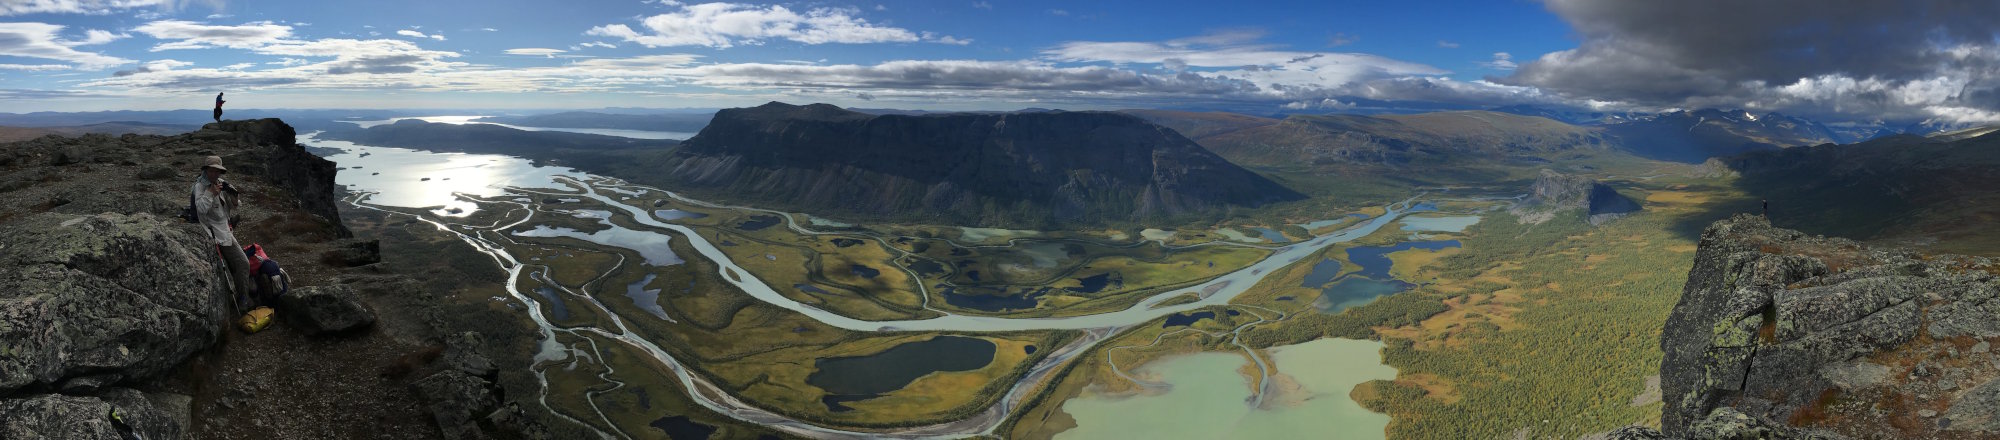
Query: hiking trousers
x=239, y=274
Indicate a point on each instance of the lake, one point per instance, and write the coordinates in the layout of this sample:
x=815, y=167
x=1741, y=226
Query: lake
x=461, y=120
x=1208, y=398
x=864, y=377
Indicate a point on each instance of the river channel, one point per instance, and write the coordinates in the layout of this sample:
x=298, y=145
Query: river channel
x=394, y=177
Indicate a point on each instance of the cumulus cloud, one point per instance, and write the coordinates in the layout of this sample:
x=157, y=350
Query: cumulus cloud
x=1842, y=58
x=192, y=35
x=723, y=25
x=1501, y=61
x=42, y=40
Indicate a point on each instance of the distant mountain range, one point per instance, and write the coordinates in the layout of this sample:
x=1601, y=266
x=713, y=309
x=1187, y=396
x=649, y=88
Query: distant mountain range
x=488, y=138
x=1032, y=169
x=1392, y=140
x=682, y=122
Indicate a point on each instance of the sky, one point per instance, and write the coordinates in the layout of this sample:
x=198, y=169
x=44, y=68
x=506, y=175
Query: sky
x=1832, y=59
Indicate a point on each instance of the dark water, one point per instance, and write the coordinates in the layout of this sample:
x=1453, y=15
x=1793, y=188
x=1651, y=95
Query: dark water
x=1093, y=283
x=554, y=301
x=998, y=301
x=1180, y=319
x=680, y=427
x=808, y=288
x=1355, y=291
x=759, y=222
x=1271, y=234
x=973, y=275
x=1233, y=312
x=1358, y=215
x=845, y=242
x=864, y=271
x=1322, y=273
x=1375, y=263
x=848, y=379
x=1028, y=349
x=675, y=214
x=647, y=299
x=927, y=267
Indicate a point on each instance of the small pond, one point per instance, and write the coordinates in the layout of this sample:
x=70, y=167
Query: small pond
x=647, y=299
x=675, y=214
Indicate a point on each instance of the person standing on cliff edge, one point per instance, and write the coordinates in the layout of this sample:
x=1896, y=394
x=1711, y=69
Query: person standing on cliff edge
x=215, y=203
x=218, y=106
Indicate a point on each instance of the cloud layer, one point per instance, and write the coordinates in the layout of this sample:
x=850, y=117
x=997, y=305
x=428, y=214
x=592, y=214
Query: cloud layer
x=723, y=25
x=1912, y=59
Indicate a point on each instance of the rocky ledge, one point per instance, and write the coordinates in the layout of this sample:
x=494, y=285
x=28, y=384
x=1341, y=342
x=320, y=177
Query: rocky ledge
x=1783, y=335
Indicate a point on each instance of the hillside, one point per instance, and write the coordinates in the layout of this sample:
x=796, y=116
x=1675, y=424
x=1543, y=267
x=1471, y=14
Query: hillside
x=685, y=122
x=1904, y=187
x=1000, y=169
x=1398, y=139
x=1693, y=136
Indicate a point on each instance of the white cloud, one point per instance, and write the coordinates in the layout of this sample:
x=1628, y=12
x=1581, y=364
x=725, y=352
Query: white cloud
x=93, y=7
x=1501, y=61
x=415, y=34
x=35, y=67
x=1059, y=12
x=982, y=5
x=97, y=36
x=191, y=35
x=489, y=29
x=723, y=25
x=533, y=51
x=39, y=40
x=599, y=44
x=240, y=66
x=1447, y=44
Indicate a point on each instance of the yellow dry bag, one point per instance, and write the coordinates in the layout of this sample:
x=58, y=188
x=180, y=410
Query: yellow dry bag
x=255, y=320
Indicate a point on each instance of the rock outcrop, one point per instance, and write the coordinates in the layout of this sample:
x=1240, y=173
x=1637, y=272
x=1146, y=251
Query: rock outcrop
x=103, y=299
x=86, y=417
x=1555, y=191
x=1007, y=169
x=1796, y=336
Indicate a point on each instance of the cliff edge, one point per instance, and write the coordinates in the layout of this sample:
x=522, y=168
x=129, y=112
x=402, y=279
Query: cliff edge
x=1783, y=335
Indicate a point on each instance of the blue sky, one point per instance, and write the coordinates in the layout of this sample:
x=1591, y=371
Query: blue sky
x=1311, y=56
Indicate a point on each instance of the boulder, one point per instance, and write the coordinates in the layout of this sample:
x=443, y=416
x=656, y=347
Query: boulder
x=59, y=416
x=325, y=309
x=109, y=296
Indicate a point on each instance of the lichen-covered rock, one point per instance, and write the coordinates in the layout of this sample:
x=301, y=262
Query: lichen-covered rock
x=325, y=309
x=98, y=295
x=1773, y=322
x=457, y=400
x=58, y=416
x=351, y=253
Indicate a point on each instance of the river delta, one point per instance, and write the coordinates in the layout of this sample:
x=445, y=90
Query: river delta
x=1011, y=309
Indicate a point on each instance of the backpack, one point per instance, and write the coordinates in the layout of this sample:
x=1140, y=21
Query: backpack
x=256, y=320
x=262, y=265
x=188, y=213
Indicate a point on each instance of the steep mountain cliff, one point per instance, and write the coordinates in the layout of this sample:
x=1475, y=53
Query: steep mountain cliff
x=1011, y=169
x=1555, y=191
x=1783, y=335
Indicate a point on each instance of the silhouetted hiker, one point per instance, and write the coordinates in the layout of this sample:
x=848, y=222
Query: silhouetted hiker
x=214, y=203
x=218, y=106
x=1767, y=208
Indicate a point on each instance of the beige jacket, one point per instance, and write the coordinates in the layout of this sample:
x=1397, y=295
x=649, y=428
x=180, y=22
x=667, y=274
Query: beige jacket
x=214, y=209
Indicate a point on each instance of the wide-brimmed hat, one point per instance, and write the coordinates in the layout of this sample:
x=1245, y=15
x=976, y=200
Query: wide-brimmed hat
x=214, y=162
